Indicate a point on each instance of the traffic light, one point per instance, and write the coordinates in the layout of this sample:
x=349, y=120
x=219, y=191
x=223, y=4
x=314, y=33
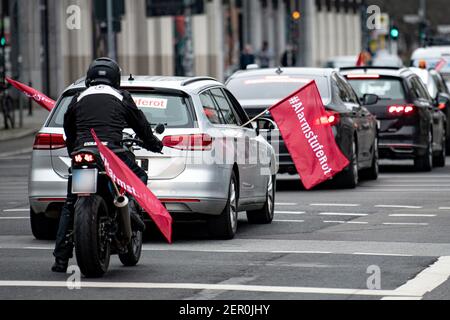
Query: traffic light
x=395, y=33
x=2, y=41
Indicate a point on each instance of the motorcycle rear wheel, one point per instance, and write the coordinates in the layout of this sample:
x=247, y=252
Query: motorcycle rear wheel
x=92, y=246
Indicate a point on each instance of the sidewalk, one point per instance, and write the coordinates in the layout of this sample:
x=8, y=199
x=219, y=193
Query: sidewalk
x=31, y=124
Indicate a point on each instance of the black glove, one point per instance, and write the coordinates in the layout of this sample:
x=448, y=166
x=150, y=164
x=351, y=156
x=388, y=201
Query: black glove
x=156, y=146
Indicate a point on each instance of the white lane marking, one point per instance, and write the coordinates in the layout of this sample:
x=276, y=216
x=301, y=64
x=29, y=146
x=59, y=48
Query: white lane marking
x=416, y=185
x=14, y=218
x=404, y=224
x=297, y=221
x=205, y=286
x=343, y=214
x=402, y=298
x=345, y=222
x=397, y=206
x=302, y=252
x=444, y=208
x=17, y=210
x=382, y=254
x=427, y=280
x=290, y=212
x=334, y=205
x=38, y=248
x=412, y=215
x=285, y=204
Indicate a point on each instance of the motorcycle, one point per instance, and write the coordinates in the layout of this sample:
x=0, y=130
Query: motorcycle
x=106, y=222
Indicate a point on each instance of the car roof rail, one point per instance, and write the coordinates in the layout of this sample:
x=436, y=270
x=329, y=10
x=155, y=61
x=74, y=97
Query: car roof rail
x=196, y=79
x=369, y=67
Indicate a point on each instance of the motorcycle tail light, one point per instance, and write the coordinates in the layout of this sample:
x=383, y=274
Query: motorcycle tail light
x=84, y=158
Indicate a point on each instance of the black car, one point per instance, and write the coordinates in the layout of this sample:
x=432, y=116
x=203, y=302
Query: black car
x=354, y=127
x=411, y=124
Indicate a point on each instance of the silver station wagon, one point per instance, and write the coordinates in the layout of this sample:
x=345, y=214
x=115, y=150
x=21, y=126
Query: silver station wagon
x=214, y=164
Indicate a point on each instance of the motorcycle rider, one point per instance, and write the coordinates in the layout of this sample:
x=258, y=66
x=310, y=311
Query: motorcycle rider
x=108, y=110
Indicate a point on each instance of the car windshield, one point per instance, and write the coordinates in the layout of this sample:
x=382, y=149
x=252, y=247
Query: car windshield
x=388, y=89
x=171, y=110
x=275, y=87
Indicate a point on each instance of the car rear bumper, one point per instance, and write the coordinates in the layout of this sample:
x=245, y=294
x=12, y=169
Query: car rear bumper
x=197, y=190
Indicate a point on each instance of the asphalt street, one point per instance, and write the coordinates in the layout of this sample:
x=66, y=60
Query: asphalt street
x=387, y=239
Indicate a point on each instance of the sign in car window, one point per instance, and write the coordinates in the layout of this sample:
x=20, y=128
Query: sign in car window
x=149, y=102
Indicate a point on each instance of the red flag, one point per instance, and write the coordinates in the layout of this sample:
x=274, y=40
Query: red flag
x=37, y=96
x=308, y=137
x=440, y=65
x=126, y=179
x=361, y=61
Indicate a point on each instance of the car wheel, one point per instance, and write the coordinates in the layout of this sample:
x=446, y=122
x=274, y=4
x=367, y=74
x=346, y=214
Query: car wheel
x=439, y=160
x=373, y=172
x=425, y=162
x=349, y=178
x=265, y=215
x=224, y=226
x=43, y=227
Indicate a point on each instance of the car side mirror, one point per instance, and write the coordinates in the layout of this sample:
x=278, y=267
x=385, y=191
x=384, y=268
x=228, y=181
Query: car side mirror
x=264, y=124
x=370, y=99
x=160, y=128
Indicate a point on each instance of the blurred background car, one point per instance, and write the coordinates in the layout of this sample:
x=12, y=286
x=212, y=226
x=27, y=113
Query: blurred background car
x=341, y=62
x=432, y=56
x=200, y=115
x=354, y=127
x=385, y=59
x=439, y=92
x=411, y=125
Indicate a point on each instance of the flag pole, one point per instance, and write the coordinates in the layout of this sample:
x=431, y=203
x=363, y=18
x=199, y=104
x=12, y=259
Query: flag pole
x=253, y=119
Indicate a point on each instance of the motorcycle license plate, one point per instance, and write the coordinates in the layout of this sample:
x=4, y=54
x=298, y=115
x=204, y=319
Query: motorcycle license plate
x=84, y=181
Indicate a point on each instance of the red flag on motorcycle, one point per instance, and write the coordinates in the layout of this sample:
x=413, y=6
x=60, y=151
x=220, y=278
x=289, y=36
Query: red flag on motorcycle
x=34, y=94
x=305, y=128
x=126, y=179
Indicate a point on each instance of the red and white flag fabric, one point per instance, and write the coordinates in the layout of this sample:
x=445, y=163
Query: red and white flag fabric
x=360, y=62
x=34, y=94
x=308, y=138
x=128, y=181
x=441, y=65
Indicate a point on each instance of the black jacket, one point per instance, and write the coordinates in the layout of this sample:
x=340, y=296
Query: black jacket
x=108, y=111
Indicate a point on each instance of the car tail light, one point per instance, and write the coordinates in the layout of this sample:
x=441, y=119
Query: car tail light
x=49, y=141
x=400, y=110
x=84, y=158
x=331, y=118
x=442, y=106
x=198, y=142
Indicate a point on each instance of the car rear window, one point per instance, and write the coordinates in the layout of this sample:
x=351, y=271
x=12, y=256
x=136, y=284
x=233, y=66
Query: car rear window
x=275, y=87
x=385, y=88
x=172, y=110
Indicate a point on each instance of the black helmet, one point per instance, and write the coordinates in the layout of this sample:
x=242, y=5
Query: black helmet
x=103, y=71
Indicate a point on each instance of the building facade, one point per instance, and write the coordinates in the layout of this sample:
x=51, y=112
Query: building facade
x=57, y=39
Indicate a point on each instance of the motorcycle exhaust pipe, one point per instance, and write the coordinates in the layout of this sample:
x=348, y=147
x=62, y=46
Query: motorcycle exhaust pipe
x=121, y=203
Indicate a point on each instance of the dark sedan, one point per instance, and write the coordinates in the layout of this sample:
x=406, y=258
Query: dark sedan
x=411, y=124
x=354, y=127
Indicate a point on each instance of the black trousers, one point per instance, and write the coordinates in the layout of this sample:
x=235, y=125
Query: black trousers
x=64, y=240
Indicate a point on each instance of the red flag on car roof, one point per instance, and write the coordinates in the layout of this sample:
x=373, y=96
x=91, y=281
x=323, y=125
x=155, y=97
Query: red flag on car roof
x=34, y=94
x=440, y=65
x=361, y=60
x=306, y=130
x=125, y=178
